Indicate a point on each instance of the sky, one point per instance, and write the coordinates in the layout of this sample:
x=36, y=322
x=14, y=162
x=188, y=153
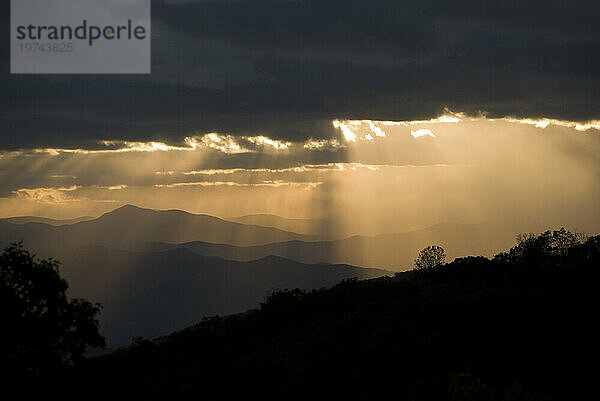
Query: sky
x=393, y=115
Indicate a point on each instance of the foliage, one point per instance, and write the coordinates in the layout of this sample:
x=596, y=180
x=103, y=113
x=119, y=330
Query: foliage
x=40, y=329
x=541, y=247
x=518, y=327
x=430, y=257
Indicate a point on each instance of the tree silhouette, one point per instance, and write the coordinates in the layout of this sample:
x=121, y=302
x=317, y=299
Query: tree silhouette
x=430, y=257
x=41, y=330
x=452, y=333
x=543, y=246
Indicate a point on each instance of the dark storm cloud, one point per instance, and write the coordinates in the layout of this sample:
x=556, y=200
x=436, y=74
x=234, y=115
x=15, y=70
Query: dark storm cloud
x=285, y=69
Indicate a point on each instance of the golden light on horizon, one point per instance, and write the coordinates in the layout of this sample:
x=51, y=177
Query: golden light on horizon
x=374, y=176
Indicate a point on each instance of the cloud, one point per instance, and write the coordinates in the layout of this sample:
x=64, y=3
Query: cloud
x=114, y=187
x=48, y=195
x=286, y=69
x=274, y=184
x=449, y=117
x=322, y=144
x=545, y=122
x=223, y=143
x=306, y=168
x=267, y=142
x=349, y=136
x=422, y=132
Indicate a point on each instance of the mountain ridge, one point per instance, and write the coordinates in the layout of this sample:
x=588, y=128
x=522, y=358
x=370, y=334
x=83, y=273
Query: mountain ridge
x=395, y=251
x=45, y=220
x=150, y=294
x=131, y=223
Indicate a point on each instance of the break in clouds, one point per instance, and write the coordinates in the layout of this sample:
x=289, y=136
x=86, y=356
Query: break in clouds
x=373, y=176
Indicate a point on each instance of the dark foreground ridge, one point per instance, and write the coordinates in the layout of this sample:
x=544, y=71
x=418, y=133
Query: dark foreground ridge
x=522, y=326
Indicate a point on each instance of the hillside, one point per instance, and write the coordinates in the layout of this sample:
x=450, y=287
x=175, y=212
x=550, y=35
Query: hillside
x=151, y=294
x=519, y=327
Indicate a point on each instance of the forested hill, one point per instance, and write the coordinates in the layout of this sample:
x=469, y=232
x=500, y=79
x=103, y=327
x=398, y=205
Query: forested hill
x=521, y=326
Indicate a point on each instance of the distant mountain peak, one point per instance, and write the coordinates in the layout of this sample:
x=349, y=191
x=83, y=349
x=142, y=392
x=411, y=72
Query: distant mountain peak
x=127, y=208
x=133, y=209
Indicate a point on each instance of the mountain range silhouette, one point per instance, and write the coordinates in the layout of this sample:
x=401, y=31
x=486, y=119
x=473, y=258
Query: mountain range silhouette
x=159, y=271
